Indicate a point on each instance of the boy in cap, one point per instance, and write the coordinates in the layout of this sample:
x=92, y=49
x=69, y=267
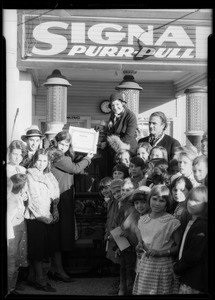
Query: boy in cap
x=32, y=138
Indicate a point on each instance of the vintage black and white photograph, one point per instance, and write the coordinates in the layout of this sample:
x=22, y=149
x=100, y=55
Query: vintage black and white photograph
x=106, y=151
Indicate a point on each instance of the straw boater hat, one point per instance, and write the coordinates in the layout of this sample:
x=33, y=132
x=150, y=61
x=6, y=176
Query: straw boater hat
x=32, y=131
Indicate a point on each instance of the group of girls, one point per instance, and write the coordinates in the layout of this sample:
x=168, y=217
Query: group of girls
x=40, y=211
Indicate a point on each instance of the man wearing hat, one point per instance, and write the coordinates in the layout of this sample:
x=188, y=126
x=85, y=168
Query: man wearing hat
x=120, y=129
x=32, y=138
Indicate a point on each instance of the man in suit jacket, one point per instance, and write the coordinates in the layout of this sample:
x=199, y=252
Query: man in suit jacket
x=157, y=137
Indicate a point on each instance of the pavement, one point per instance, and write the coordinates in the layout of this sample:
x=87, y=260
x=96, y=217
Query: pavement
x=83, y=286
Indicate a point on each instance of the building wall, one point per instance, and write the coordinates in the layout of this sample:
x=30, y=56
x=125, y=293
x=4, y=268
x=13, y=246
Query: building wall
x=84, y=97
x=18, y=84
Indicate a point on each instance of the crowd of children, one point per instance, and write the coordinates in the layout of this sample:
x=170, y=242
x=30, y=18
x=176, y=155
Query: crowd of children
x=161, y=209
x=159, y=206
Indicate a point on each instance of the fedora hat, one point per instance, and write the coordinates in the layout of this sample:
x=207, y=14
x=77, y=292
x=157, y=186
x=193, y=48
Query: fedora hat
x=32, y=131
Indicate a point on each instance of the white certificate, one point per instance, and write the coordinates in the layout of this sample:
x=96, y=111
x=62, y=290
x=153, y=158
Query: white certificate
x=121, y=241
x=84, y=139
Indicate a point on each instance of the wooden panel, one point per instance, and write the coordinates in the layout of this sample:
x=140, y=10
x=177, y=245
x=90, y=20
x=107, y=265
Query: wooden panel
x=84, y=97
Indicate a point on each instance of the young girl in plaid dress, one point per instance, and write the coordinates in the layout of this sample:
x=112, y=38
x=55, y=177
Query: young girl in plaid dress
x=161, y=236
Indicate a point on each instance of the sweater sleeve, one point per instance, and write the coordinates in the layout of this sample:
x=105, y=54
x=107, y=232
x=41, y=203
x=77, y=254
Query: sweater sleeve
x=67, y=165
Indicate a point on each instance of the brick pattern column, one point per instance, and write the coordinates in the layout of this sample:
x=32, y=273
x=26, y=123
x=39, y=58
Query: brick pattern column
x=131, y=90
x=132, y=98
x=56, y=103
x=196, y=114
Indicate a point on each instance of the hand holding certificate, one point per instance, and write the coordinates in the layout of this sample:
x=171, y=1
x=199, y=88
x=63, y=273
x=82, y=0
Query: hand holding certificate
x=84, y=139
x=121, y=241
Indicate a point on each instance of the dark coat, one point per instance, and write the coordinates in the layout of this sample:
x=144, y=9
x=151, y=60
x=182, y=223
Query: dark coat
x=193, y=265
x=168, y=142
x=112, y=212
x=64, y=171
x=125, y=128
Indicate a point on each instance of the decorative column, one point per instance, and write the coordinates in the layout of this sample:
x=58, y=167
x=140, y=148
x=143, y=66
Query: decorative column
x=196, y=114
x=131, y=89
x=56, y=85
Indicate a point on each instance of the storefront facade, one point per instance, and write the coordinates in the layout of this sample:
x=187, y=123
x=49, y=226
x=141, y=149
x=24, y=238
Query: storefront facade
x=165, y=52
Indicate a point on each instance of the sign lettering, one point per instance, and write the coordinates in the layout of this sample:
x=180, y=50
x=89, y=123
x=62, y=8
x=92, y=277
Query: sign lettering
x=110, y=40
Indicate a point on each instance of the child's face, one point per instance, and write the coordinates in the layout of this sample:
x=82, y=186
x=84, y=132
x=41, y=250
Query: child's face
x=127, y=188
x=156, y=153
x=157, y=204
x=117, y=192
x=195, y=206
x=141, y=206
x=134, y=170
x=105, y=191
x=200, y=171
x=63, y=146
x=179, y=192
x=42, y=162
x=118, y=175
x=185, y=165
x=16, y=156
x=142, y=153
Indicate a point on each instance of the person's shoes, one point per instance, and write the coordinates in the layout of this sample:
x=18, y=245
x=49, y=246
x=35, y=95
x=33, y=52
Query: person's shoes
x=14, y=292
x=59, y=277
x=50, y=288
x=20, y=287
x=121, y=293
x=51, y=275
x=30, y=282
x=45, y=288
x=113, y=292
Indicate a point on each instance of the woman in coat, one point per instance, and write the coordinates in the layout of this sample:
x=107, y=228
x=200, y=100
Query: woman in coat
x=120, y=130
x=64, y=169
